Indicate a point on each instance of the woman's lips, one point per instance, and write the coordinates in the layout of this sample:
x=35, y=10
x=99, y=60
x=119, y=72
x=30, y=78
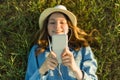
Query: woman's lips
x=59, y=32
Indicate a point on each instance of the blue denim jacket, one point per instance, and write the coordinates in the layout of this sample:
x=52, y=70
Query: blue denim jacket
x=84, y=59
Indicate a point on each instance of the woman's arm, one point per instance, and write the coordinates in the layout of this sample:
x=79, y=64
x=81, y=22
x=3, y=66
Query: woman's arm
x=88, y=64
x=32, y=72
x=84, y=66
x=69, y=61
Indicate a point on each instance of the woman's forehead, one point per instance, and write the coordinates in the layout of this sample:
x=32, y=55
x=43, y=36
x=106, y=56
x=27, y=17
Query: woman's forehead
x=58, y=14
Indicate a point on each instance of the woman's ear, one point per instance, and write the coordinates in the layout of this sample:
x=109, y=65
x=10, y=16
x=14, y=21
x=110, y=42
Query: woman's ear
x=69, y=33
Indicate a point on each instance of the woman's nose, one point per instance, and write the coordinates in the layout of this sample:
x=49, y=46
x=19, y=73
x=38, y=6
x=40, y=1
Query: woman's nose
x=57, y=25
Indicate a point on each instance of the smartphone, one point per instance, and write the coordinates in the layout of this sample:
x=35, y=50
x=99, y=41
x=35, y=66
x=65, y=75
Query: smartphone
x=59, y=43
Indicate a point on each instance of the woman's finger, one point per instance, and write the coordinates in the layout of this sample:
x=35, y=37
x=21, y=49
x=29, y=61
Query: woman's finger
x=53, y=54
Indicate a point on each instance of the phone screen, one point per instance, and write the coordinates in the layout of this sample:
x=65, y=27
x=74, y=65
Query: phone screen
x=59, y=43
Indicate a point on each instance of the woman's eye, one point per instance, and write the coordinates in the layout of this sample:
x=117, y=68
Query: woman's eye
x=63, y=22
x=51, y=22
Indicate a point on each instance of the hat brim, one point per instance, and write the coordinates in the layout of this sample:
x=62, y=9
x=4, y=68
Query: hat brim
x=48, y=11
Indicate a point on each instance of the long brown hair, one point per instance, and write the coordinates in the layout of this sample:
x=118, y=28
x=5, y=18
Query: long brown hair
x=77, y=37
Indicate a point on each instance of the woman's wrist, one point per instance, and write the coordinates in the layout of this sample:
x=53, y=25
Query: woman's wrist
x=79, y=74
x=43, y=70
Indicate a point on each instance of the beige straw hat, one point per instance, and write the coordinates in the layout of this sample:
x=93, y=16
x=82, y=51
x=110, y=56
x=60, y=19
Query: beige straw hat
x=58, y=8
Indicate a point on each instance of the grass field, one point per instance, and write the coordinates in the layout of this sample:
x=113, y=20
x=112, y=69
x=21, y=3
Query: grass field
x=19, y=22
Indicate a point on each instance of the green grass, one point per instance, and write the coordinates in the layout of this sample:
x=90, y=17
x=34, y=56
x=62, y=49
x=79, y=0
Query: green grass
x=19, y=22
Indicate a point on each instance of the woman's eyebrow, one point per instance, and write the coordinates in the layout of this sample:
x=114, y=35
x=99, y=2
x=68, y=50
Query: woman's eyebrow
x=51, y=19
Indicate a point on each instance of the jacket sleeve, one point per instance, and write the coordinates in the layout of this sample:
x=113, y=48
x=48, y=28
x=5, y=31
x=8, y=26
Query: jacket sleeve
x=89, y=64
x=32, y=72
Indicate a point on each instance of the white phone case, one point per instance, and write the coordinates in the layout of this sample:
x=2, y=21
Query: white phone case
x=59, y=42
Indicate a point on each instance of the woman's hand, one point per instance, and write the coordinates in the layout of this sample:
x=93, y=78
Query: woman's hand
x=50, y=63
x=68, y=59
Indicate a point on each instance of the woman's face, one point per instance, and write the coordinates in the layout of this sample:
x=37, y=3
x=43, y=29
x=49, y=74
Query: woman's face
x=57, y=24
